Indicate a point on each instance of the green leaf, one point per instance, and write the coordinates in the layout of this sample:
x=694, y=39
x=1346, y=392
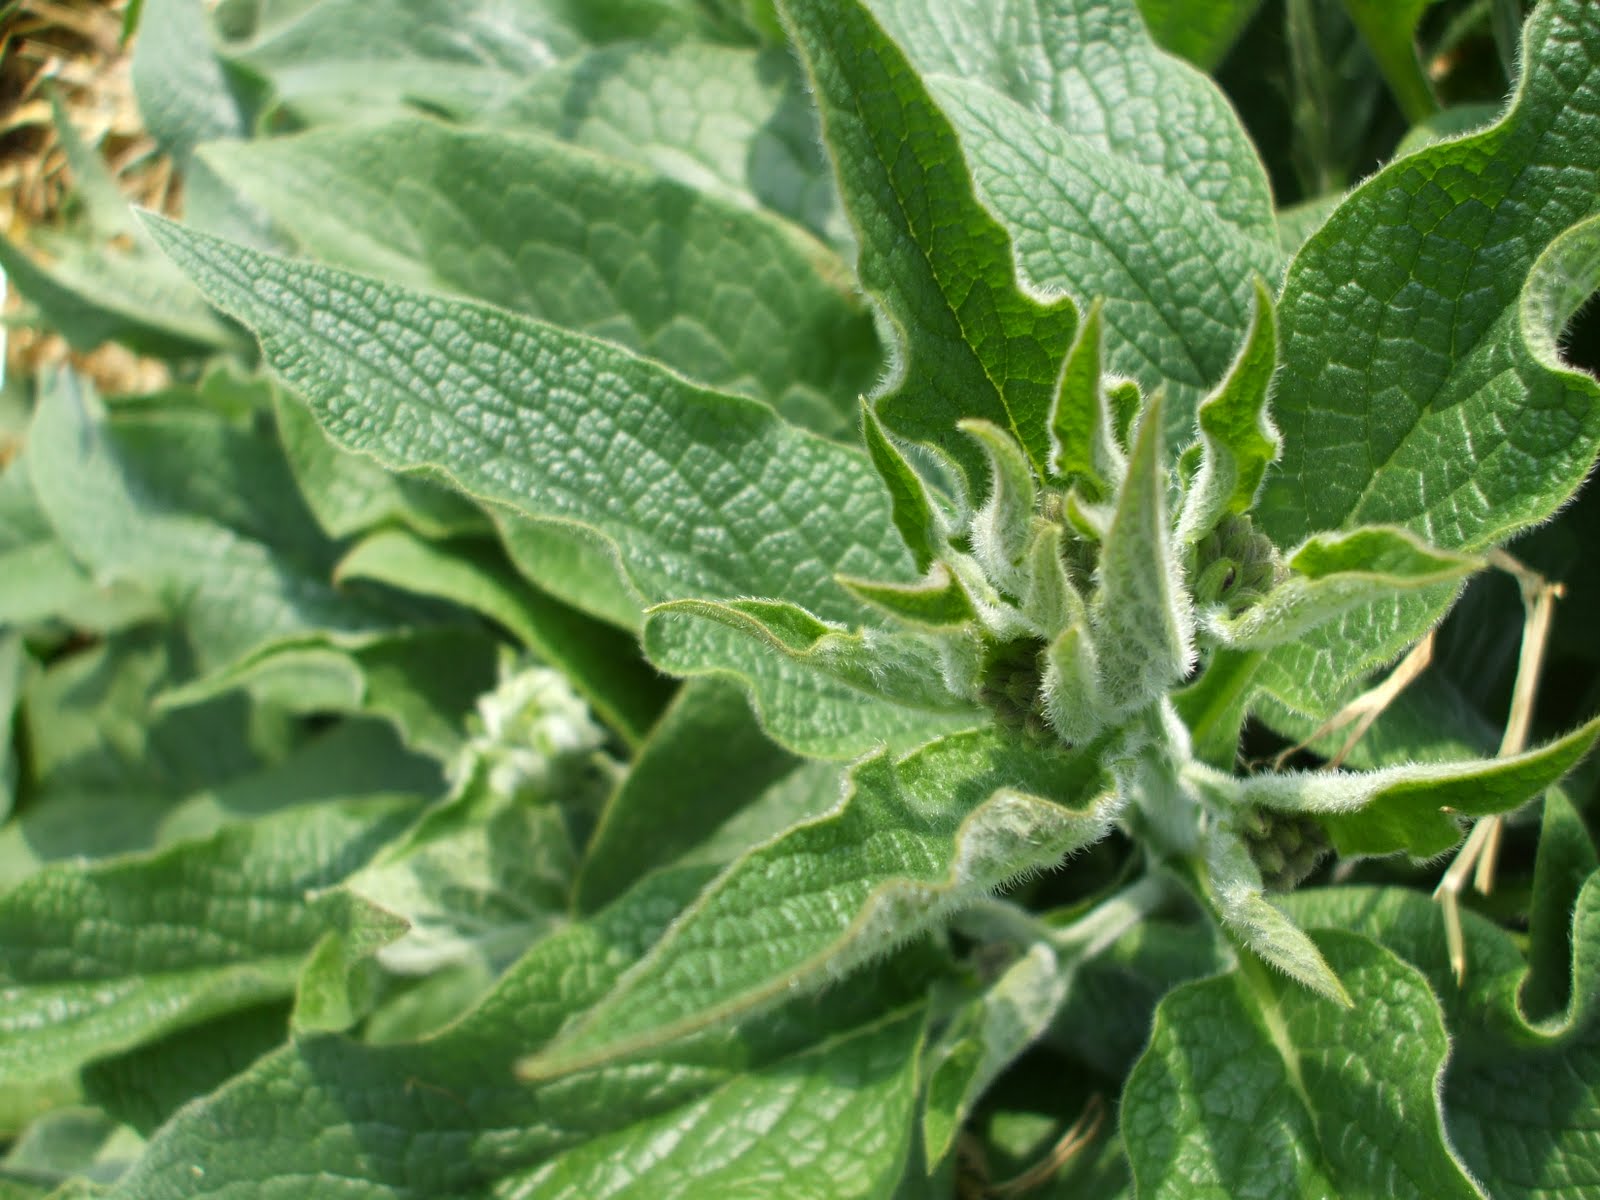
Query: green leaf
x=1002, y=529
x=664, y=807
x=601, y=662
x=938, y=601
x=974, y=340
x=1119, y=172
x=573, y=563
x=1081, y=435
x=1333, y=574
x=1390, y=30
x=820, y=690
x=722, y=292
x=1091, y=69
x=1520, y=1097
x=1268, y=1090
x=985, y=1038
x=1415, y=808
x=1235, y=890
x=342, y=58
x=359, y=1110
x=187, y=94
x=107, y=956
x=230, y=548
x=713, y=495
x=836, y=1122
x=1143, y=628
x=145, y=1086
x=350, y=495
x=910, y=504
x=1420, y=382
x=1201, y=33
x=1237, y=436
x=723, y=119
x=912, y=840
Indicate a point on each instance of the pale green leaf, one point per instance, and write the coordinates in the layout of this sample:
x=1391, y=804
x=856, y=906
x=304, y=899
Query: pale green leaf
x=13, y=661
x=721, y=119
x=230, y=548
x=1001, y=529
x=1332, y=574
x=723, y=293
x=1271, y=1091
x=912, y=840
x=910, y=505
x=974, y=340
x=702, y=493
x=1142, y=624
x=1415, y=808
x=1081, y=435
x=574, y=564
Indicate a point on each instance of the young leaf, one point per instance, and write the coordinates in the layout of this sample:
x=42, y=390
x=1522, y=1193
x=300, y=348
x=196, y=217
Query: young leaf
x=911, y=840
x=1331, y=574
x=1415, y=808
x=1003, y=527
x=1143, y=629
x=938, y=601
x=987, y=1035
x=912, y=508
x=975, y=342
x=703, y=494
x=1082, y=440
x=1238, y=438
x=1254, y=1086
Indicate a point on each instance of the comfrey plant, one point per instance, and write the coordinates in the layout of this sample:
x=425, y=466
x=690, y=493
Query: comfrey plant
x=991, y=593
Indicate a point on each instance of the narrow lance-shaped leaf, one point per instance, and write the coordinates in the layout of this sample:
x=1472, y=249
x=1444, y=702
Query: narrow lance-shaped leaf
x=938, y=601
x=975, y=342
x=912, y=508
x=1237, y=436
x=1002, y=528
x=1234, y=885
x=1083, y=443
x=1143, y=629
x=1334, y=573
x=1254, y=1086
x=703, y=494
x=1415, y=808
x=913, y=839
